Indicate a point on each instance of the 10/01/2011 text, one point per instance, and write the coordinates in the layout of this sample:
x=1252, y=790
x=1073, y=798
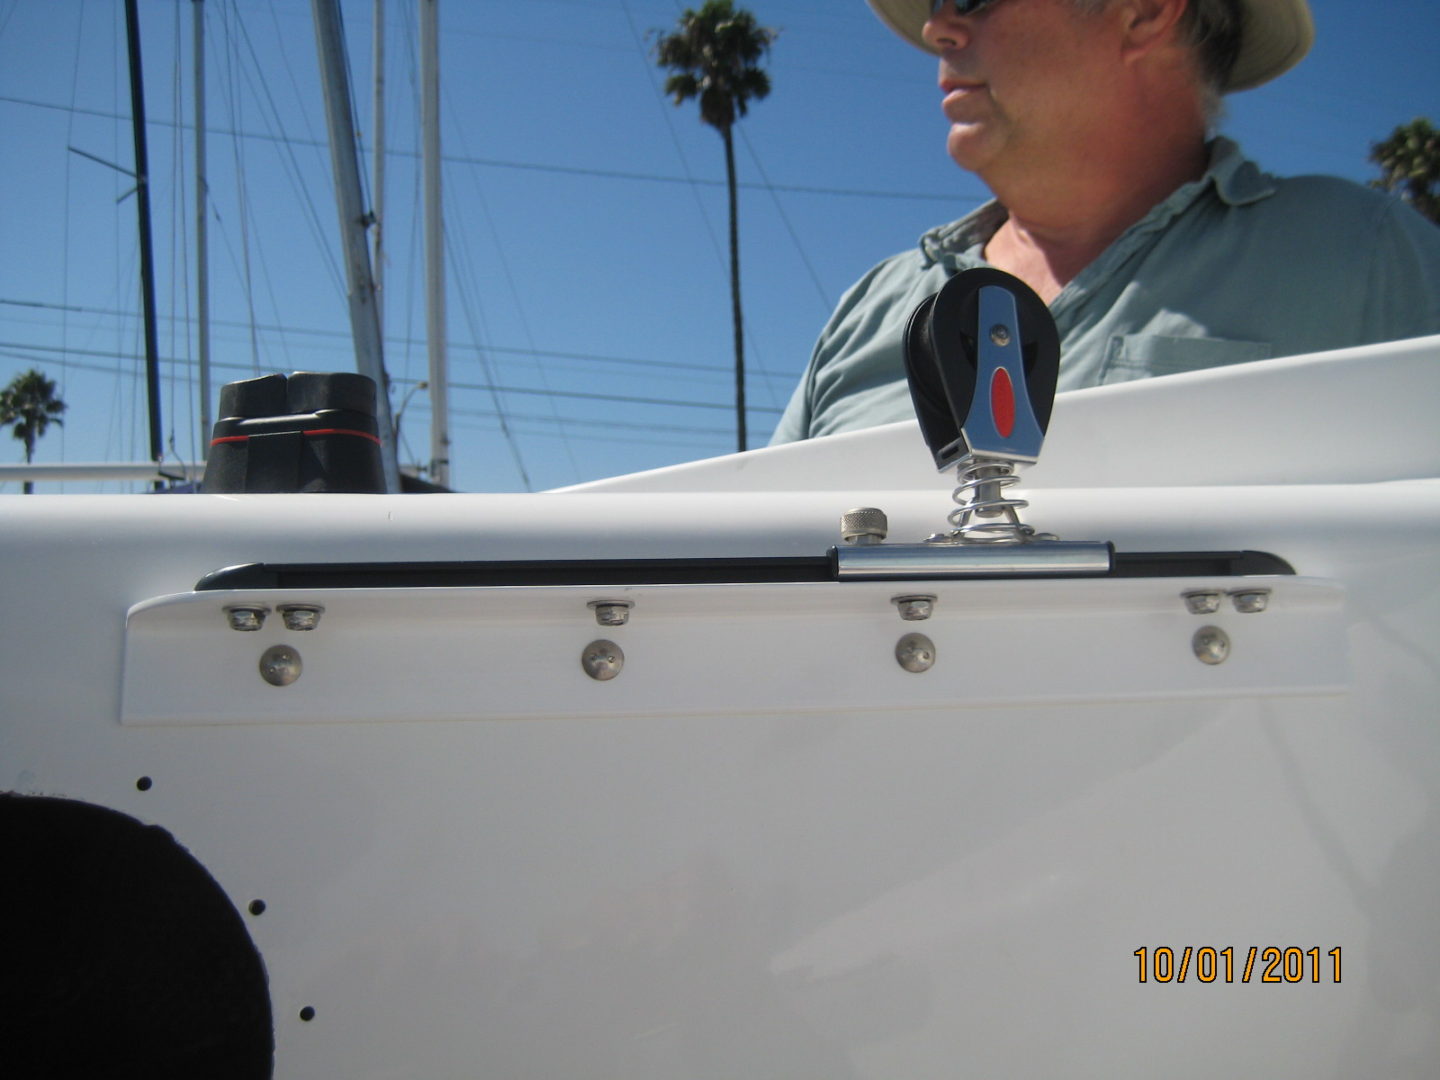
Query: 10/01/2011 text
x=1207, y=964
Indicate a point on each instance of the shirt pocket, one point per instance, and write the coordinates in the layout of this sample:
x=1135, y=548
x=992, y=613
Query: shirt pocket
x=1142, y=356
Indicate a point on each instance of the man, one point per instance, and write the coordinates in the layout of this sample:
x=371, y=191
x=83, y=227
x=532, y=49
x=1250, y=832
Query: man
x=1157, y=251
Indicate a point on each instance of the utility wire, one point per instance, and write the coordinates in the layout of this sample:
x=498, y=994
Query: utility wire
x=721, y=256
x=468, y=289
x=667, y=114
x=242, y=198
x=5, y=19
x=180, y=251
x=471, y=307
x=65, y=237
x=485, y=387
x=589, y=359
x=606, y=431
x=826, y=303
x=949, y=198
x=297, y=176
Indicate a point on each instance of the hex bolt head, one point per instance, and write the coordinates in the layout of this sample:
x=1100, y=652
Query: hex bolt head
x=1202, y=601
x=246, y=616
x=602, y=660
x=915, y=653
x=1250, y=601
x=611, y=612
x=301, y=616
x=280, y=665
x=1211, y=645
x=914, y=608
x=864, y=525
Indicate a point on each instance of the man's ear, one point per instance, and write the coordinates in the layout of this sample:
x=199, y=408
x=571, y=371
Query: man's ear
x=1149, y=25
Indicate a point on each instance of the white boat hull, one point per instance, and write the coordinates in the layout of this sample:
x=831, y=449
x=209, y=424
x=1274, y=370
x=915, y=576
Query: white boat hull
x=764, y=849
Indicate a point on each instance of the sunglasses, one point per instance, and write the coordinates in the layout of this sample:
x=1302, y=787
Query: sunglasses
x=962, y=7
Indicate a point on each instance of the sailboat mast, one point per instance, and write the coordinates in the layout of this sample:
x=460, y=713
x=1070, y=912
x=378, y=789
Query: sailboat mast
x=434, y=244
x=364, y=319
x=147, y=255
x=202, y=249
x=377, y=188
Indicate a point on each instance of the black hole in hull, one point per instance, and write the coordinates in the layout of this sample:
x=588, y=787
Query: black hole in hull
x=130, y=952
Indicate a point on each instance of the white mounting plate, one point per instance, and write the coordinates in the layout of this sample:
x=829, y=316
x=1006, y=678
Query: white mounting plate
x=399, y=655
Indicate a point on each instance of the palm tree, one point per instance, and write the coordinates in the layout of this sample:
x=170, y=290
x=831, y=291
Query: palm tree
x=1410, y=160
x=30, y=404
x=713, y=54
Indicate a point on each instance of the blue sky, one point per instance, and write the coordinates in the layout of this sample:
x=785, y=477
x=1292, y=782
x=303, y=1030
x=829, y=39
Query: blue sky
x=587, y=297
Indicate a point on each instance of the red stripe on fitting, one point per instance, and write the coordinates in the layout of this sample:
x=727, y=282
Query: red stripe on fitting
x=342, y=431
x=311, y=431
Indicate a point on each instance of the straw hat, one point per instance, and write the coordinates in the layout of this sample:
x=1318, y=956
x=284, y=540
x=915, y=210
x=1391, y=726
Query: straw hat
x=1275, y=36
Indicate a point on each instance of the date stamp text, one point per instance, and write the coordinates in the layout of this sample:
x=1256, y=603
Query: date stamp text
x=1261, y=964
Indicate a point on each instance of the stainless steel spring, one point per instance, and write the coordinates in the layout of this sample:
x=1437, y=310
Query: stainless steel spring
x=980, y=495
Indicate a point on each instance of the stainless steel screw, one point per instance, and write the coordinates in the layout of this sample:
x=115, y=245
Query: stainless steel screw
x=602, y=660
x=246, y=616
x=1250, y=601
x=1000, y=334
x=915, y=652
x=1211, y=645
x=611, y=612
x=914, y=608
x=280, y=665
x=301, y=616
x=1202, y=601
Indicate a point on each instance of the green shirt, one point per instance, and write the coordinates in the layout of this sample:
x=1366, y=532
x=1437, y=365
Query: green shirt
x=1238, y=265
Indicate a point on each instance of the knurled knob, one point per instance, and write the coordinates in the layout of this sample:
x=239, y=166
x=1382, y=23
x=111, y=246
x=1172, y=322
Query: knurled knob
x=864, y=525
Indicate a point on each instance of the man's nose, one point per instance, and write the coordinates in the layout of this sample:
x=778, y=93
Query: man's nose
x=946, y=30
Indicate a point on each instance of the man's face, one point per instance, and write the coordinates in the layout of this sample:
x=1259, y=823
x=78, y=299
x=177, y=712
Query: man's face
x=1025, y=81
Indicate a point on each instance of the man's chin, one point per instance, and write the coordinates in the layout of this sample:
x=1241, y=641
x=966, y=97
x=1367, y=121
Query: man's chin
x=969, y=147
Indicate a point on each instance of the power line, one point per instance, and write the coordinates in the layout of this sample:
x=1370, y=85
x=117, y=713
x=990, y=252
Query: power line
x=410, y=341
x=489, y=388
x=297, y=176
x=232, y=97
x=721, y=434
x=826, y=302
x=469, y=293
x=565, y=170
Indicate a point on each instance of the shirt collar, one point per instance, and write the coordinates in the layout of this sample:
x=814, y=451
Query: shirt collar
x=1237, y=182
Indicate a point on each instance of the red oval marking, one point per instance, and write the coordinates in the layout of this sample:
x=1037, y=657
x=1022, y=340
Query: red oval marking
x=1002, y=402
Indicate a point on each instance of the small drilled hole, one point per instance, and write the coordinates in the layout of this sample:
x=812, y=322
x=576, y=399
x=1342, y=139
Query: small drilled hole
x=307, y=1014
x=144, y=784
x=257, y=907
